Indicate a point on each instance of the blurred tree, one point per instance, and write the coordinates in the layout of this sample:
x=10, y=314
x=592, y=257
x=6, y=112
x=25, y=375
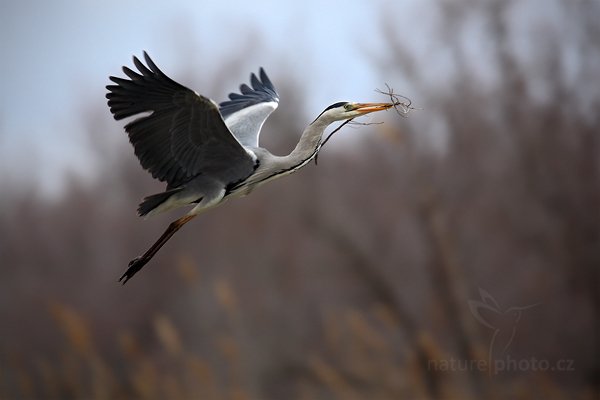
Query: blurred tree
x=349, y=279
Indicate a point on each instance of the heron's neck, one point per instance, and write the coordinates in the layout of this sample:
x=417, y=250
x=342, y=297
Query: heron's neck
x=309, y=142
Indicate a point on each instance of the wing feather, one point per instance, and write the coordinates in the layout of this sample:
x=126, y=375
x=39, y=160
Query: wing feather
x=183, y=136
x=245, y=113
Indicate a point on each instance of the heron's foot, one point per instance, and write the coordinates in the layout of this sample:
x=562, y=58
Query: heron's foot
x=134, y=266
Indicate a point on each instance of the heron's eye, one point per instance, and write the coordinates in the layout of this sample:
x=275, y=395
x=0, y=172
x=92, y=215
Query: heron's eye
x=348, y=107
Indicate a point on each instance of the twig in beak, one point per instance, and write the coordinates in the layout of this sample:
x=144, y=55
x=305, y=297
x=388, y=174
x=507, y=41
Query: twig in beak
x=402, y=104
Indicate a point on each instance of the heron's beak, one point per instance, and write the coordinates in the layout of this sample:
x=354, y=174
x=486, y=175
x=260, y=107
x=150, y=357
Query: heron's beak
x=365, y=108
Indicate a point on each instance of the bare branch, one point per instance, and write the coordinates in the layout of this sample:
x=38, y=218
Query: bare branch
x=354, y=123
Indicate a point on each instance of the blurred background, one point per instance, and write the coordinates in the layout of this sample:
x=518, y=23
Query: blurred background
x=452, y=254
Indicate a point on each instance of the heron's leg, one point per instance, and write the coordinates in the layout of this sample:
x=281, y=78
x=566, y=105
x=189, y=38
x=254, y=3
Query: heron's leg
x=137, y=263
x=212, y=194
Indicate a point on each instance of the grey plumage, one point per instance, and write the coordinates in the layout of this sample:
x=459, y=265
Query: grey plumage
x=262, y=91
x=245, y=113
x=204, y=152
x=184, y=136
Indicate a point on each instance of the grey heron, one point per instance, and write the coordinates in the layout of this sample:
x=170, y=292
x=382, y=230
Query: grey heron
x=207, y=153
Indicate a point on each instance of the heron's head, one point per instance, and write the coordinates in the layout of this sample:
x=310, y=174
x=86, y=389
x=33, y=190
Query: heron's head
x=346, y=110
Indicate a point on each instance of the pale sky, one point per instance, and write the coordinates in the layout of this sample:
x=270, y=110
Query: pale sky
x=57, y=55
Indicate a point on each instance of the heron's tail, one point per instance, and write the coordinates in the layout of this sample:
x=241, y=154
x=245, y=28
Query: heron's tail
x=153, y=201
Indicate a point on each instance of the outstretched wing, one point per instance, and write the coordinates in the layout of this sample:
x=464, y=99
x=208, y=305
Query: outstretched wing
x=245, y=113
x=183, y=136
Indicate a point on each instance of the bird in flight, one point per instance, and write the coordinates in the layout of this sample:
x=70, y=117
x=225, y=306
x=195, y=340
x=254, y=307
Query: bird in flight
x=207, y=152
